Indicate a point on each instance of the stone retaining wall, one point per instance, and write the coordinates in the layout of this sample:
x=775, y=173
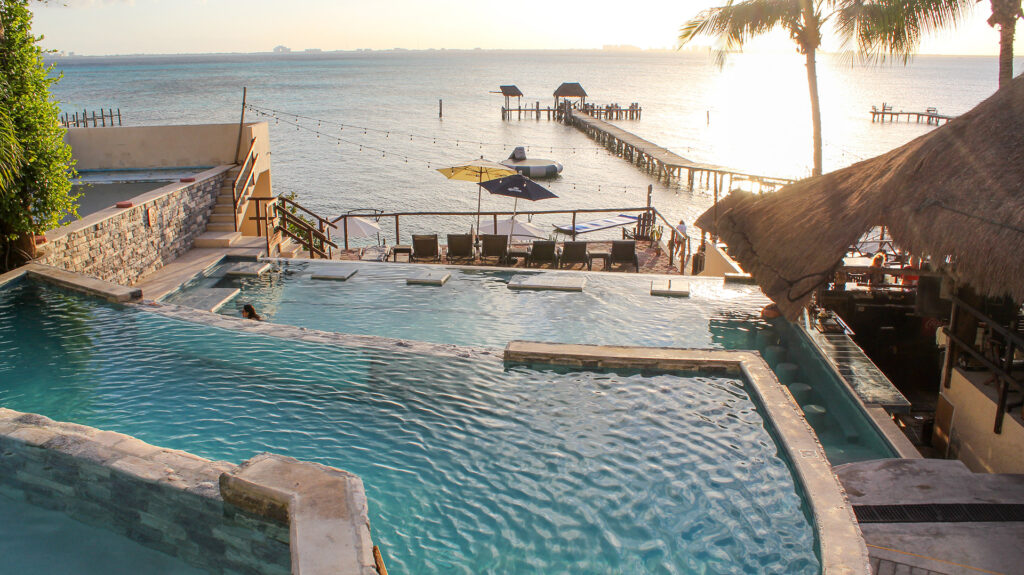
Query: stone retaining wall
x=165, y=499
x=123, y=245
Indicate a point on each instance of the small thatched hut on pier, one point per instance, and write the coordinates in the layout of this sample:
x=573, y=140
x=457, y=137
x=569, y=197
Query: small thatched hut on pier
x=570, y=90
x=511, y=91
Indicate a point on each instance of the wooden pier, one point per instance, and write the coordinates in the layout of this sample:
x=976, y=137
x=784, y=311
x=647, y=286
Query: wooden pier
x=607, y=112
x=72, y=120
x=663, y=163
x=930, y=116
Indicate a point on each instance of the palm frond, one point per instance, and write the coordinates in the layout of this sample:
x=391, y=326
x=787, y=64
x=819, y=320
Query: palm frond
x=894, y=28
x=11, y=157
x=736, y=23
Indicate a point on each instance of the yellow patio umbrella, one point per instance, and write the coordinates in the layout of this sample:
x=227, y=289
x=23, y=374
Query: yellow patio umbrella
x=478, y=171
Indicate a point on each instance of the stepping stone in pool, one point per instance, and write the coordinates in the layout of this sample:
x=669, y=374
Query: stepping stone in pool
x=552, y=282
x=208, y=299
x=428, y=278
x=670, y=288
x=336, y=273
x=247, y=269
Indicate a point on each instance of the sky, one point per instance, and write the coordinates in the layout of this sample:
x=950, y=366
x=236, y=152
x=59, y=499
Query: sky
x=102, y=27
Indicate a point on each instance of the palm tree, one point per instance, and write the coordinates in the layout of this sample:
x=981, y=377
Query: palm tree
x=1005, y=14
x=736, y=23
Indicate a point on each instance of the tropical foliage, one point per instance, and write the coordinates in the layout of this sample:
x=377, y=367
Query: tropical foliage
x=877, y=27
x=37, y=164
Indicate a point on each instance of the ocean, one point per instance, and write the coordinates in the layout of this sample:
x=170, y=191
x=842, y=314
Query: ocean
x=369, y=135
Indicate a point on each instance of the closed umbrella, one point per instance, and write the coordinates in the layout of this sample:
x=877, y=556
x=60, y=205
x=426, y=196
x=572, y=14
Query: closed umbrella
x=478, y=171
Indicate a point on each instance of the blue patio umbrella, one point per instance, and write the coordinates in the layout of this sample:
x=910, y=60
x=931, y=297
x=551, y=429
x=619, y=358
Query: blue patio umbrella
x=517, y=186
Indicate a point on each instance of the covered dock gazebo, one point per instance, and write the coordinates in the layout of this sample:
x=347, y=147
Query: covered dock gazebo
x=570, y=90
x=954, y=196
x=511, y=91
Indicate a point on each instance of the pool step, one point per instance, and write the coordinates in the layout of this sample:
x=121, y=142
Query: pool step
x=247, y=269
x=547, y=282
x=670, y=288
x=428, y=278
x=207, y=299
x=336, y=273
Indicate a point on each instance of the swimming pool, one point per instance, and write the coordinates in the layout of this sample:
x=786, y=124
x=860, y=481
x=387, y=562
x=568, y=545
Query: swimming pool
x=470, y=466
x=37, y=540
x=475, y=307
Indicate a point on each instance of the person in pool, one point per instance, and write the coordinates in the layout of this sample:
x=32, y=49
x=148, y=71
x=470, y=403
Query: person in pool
x=249, y=312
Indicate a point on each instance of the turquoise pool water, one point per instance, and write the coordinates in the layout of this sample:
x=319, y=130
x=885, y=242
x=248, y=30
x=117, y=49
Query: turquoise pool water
x=36, y=540
x=476, y=308
x=470, y=467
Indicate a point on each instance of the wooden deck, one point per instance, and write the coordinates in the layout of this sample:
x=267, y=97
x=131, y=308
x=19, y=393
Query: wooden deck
x=662, y=162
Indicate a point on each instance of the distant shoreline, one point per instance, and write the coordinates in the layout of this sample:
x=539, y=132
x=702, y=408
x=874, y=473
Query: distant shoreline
x=332, y=54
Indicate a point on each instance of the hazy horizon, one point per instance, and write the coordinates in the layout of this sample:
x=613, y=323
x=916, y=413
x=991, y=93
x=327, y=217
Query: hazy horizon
x=151, y=27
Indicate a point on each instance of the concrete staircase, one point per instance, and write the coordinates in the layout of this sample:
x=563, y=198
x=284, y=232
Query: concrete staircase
x=220, y=230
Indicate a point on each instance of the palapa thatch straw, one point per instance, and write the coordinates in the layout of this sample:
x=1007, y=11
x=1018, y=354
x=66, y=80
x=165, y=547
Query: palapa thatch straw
x=955, y=195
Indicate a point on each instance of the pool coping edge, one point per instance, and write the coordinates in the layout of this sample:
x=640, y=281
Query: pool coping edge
x=841, y=545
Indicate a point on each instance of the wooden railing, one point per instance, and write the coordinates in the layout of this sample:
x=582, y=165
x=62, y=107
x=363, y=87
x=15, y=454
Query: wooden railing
x=245, y=181
x=275, y=219
x=673, y=237
x=1001, y=366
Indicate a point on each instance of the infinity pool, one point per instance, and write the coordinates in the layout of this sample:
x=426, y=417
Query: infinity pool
x=476, y=308
x=470, y=467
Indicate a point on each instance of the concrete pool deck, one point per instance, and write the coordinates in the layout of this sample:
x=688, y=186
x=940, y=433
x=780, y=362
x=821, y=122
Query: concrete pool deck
x=841, y=546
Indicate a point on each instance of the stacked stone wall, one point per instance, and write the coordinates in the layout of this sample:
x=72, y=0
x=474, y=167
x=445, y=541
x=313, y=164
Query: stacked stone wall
x=165, y=499
x=130, y=243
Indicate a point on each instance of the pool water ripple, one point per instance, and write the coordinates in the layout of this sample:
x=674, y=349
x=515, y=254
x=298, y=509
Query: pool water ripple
x=470, y=467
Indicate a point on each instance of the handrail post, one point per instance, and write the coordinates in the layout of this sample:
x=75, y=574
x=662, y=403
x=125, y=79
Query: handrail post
x=397, y=237
x=345, y=226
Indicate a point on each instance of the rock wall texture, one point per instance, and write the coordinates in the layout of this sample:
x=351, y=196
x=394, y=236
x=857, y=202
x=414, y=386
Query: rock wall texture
x=165, y=499
x=123, y=245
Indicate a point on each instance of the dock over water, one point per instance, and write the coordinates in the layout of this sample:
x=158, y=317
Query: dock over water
x=662, y=162
x=930, y=115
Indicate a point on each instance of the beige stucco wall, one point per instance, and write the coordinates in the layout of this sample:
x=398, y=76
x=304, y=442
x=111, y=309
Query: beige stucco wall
x=145, y=147
x=971, y=437
x=717, y=263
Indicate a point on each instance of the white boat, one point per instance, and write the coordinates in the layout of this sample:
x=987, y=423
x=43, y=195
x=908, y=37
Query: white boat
x=532, y=167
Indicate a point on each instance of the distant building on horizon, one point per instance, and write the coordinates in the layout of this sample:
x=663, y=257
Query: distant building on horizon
x=282, y=49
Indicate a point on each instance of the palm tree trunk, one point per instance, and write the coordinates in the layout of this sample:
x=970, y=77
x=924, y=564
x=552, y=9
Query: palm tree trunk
x=1006, y=32
x=812, y=85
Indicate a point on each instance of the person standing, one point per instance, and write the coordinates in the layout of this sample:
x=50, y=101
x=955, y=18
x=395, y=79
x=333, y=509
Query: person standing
x=680, y=242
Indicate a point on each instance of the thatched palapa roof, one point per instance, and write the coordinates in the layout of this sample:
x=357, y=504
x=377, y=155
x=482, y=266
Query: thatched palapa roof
x=511, y=91
x=570, y=90
x=955, y=195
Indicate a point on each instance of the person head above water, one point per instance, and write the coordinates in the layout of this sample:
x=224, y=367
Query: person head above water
x=249, y=312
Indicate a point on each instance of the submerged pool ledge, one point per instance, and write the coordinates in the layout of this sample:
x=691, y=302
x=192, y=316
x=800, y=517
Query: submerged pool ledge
x=841, y=546
x=270, y=515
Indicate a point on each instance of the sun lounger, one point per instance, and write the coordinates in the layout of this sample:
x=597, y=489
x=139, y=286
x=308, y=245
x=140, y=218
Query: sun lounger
x=594, y=225
x=494, y=246
x=624, y=252
x=425, y=248
x=575, y=253
x=375, y=253
x=543, y=251
x=460, y=247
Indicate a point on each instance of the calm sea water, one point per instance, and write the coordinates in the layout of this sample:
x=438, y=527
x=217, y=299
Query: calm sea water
x=752, y=116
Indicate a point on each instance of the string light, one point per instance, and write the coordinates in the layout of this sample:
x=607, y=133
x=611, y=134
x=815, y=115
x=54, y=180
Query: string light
x=264, y=111
x=384, y=153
